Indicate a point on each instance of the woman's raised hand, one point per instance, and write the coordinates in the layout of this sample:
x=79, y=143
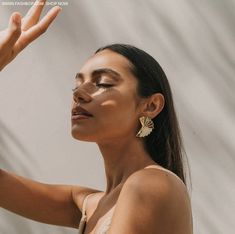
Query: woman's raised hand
x=22, y=31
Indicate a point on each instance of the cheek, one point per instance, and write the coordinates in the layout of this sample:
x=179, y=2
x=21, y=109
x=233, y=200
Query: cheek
x=113, y=105
x=117, y=114
x=109, y=104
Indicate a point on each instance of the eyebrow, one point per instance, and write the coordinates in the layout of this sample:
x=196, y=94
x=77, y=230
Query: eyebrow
x=100, y=71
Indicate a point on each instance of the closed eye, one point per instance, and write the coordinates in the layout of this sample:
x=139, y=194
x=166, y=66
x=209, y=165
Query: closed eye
x=104, y=85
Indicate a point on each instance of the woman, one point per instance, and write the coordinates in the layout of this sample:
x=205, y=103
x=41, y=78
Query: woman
x=123, y=102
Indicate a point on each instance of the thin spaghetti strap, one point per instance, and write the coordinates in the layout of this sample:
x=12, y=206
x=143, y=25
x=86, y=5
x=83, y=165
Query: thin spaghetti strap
x=84, y=215
x=84, y=204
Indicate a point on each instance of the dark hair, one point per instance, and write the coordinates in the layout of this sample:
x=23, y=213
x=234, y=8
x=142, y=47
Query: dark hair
x=164, y=144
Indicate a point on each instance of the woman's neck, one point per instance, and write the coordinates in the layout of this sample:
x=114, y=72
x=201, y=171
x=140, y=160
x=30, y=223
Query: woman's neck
x=122, y=158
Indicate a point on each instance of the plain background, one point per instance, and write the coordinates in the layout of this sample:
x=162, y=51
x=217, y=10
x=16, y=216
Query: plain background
x=194, y=43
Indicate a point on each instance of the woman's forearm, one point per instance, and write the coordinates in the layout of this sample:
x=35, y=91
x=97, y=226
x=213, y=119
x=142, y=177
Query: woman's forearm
x=38, y=201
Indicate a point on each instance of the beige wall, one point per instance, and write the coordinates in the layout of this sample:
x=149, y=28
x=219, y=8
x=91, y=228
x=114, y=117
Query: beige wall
x=194, y=43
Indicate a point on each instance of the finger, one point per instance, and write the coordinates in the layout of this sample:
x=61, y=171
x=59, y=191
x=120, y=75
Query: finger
x=13, y=31
x=33, y=15
x=38, y=29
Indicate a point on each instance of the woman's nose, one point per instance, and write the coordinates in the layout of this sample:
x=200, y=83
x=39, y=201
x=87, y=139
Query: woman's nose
x=81, y=95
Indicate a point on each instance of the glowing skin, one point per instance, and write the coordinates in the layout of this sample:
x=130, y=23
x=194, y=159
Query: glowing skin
x=116, y=111
x=113, y=108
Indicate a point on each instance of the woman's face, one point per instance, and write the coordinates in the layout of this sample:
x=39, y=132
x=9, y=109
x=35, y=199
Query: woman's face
x=106, y=88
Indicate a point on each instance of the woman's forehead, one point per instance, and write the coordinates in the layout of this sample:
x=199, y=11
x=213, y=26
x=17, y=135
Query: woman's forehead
x=106, y=59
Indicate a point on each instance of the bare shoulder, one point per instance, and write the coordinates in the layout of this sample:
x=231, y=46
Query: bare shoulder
x=150, y=202
x=159, y=187
x=152, y=180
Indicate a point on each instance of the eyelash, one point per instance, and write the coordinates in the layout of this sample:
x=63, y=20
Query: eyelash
x=105, y=86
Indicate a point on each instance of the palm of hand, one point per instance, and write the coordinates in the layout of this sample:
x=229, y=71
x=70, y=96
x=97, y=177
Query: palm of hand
x=21, y=32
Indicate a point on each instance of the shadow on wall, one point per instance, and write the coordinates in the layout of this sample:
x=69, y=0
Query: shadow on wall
x=13, y=155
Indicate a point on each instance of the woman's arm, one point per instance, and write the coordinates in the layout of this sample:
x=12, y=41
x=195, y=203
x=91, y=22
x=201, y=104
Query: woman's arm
x=21, y=32
x=51, y=204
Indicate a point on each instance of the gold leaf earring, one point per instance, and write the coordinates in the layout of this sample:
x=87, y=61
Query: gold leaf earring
x=147, y=126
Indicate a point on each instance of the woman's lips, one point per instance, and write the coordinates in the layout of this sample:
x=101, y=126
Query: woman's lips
x=80, y=116
x=79, y=113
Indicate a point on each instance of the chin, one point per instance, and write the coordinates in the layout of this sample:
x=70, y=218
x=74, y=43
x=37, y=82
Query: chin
x=81, y=137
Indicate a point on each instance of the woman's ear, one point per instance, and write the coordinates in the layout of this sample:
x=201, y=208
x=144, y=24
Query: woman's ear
x=153, y=105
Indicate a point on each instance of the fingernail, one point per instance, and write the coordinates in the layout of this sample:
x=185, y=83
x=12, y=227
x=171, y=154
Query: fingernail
x=60, y=9
x=17, y=19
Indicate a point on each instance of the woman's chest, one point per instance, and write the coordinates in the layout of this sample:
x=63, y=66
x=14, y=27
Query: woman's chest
x=99, y=222
x=99, y=212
